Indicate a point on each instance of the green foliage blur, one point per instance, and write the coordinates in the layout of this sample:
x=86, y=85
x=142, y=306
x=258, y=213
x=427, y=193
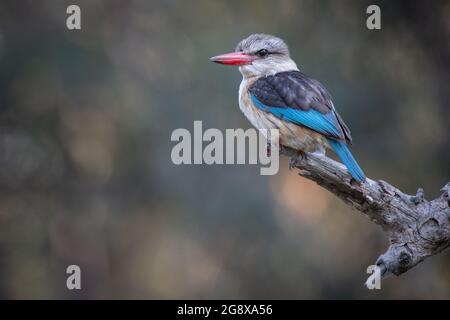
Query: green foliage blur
x=85, y=171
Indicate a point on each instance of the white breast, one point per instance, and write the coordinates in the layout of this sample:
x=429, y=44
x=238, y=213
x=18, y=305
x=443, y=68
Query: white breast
x=257, y=118
x=291, y=135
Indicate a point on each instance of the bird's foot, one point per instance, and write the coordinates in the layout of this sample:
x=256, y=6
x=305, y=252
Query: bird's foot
x=294, y=160
x=292, y=163
x=320, y=151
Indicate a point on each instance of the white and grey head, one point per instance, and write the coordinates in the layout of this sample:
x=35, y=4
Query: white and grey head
x=259, y=55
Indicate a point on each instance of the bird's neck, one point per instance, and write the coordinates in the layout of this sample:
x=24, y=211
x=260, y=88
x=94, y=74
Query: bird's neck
x=253, y=72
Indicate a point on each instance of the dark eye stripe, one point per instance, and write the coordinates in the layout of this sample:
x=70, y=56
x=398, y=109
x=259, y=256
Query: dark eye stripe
x=262, y=53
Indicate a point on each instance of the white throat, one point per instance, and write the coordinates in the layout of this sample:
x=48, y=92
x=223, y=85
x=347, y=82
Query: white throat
x=263, y=68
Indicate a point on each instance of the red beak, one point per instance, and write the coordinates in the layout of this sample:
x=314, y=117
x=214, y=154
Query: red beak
x=233, y=59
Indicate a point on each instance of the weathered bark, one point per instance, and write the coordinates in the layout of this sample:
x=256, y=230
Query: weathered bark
x=416, y=228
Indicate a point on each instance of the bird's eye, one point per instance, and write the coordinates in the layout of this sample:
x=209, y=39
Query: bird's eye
x=262, y=53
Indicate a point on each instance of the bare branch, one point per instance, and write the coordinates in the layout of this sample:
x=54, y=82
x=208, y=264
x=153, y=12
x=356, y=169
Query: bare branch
x=416, y=228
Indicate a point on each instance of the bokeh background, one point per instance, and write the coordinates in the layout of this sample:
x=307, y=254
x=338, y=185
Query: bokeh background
x=85, y=171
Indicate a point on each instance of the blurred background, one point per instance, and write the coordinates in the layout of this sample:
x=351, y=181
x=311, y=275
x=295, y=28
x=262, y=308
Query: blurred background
x=85, y=171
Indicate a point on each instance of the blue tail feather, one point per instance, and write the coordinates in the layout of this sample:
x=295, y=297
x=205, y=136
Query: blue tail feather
x=347, y=158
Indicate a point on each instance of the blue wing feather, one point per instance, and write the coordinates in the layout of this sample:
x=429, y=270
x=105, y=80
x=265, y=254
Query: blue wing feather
x=326, y=124
x=347, y=158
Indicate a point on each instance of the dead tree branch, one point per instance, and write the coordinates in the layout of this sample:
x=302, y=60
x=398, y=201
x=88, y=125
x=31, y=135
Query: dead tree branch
x=416, y=228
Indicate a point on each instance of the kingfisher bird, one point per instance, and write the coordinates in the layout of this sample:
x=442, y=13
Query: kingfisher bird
x=274, y=94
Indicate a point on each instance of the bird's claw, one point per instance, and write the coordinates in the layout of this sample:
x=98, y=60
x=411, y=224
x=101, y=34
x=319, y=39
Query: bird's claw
x=294, y=160
x=292, y=163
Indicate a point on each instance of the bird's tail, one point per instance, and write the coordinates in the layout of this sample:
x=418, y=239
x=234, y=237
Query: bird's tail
x=347, y=158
